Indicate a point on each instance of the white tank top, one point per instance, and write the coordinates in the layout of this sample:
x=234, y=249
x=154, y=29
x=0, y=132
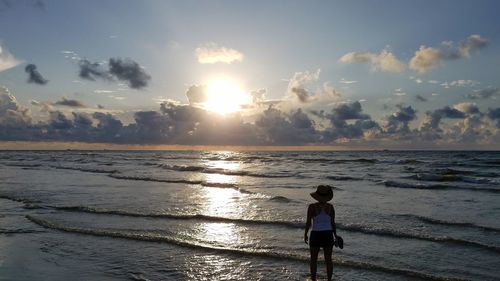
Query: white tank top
x=322, y=222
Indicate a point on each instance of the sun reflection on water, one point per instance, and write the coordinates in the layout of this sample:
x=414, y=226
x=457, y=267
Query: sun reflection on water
x=221, y=201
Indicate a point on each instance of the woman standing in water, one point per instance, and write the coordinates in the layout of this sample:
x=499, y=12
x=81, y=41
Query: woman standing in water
x=324, y=234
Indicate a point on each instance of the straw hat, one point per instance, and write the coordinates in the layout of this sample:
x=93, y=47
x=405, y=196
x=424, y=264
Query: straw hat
x=323, y=193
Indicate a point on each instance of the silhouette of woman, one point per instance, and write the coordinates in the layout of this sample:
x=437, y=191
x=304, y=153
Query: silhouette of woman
x=321, y=215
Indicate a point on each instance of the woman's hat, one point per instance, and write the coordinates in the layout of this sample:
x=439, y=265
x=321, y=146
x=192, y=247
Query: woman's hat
x=323, y=193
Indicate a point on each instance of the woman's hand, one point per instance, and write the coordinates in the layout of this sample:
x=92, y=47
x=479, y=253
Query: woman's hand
x=306, y=239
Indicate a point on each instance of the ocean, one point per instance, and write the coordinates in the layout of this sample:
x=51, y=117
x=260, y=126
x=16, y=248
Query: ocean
x=201, y=215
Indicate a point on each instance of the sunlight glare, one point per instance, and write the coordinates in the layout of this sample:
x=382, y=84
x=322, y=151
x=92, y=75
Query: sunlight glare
x=225, y=96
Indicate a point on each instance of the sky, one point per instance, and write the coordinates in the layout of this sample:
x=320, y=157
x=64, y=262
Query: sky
x=355, y=74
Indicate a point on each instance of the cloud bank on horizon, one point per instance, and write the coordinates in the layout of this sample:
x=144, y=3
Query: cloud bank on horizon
x=340, y=124
x=402, y=94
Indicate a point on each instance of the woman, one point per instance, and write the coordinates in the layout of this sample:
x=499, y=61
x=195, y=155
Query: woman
x=324, y=233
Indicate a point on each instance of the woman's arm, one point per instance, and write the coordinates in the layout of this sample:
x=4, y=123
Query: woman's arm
x=308, y=223
x=334, y=227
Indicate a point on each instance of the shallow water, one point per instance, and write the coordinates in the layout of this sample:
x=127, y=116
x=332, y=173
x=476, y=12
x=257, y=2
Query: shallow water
x=240, y=215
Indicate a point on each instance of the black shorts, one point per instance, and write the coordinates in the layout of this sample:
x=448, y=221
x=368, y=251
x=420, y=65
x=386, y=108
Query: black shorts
x=322, y=239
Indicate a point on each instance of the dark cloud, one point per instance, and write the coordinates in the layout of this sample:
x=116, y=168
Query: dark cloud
x=397, y=123
x=277, y=127
x=420, y=98
x=129, y=71
x=494, y=114
x=59, y=121
x=71, y=103
x=120, y=69
x=34, y=75
x=108, y=127
x=484, y=94
x=92, y=71
x=301, y=93
x=433, y=118
x=358, y=124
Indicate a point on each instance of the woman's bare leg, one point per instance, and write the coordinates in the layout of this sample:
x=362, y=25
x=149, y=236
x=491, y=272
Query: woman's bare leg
x=329, y=262
x=314, y=262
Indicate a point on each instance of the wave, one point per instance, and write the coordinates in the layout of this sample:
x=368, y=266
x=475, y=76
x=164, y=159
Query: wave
x=408, y=161
x=296, y=225
x=92, y=210
x=206, y=170
x=25, y=165
x=280, y=199
x=339, y=161
x=19, y=231
x=451, y=223
x=451, y=178
x=397, y=184
x=17, y=199
x=281, y=255
x=426, y=237
x=85, y=169
x=194, y=182
x=343, y=178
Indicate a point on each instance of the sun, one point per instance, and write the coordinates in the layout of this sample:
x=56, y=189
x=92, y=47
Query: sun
x=225, y=95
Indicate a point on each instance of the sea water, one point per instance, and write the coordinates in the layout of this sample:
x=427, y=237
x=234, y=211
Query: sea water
x=195, y=215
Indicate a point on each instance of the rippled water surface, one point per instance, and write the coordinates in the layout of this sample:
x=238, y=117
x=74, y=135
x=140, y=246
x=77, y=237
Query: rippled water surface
x=240, y=215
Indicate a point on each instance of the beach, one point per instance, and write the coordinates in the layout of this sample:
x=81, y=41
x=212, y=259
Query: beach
x=208, y=215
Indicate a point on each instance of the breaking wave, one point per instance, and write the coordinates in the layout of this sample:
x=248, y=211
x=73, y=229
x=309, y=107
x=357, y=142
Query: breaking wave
x=282, y=255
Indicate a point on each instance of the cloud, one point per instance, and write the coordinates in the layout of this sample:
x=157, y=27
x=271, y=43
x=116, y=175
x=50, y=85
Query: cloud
x=212, y=53
x=197, y=94
x=7, y=60
x=34, y=76
x=44, y=106
x=384, y=61
x=420, y=98
x=494, y=114
x=463, y=83
x=397, y=123
x=484, y=94
x=129, y=71
x=344, y=81
x=347, y=121
x=67, y=102
x=92, y=71
x=297, y=85
x=433, y=118
x=467, y=108
x=14, y=119
x=286, y=129
x=120, y=69
x=427, y=58
x=343, y=123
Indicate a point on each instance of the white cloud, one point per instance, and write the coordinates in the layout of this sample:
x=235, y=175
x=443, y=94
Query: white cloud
x=344, y=81
x=213, y=53
x=428, y=58
x=103, y=91
x=7, y=60
x=463, y=83
x=425, y=59
x=384, y=61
